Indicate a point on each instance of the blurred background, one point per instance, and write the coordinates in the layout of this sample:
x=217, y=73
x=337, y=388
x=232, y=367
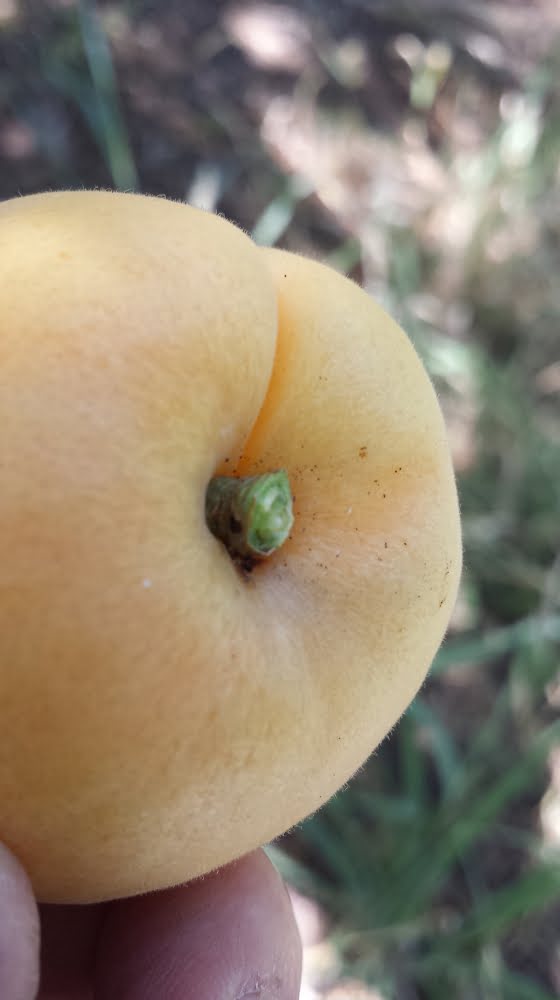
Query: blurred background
x=415, y=147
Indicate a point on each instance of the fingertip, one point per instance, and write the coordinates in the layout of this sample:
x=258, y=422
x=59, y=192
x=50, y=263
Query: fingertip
x=19, y=931
x=231, y=934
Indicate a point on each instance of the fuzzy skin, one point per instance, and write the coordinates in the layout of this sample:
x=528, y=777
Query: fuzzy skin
x=162, y=715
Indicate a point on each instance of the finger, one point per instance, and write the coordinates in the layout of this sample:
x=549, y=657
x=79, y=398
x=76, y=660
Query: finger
x=68, y=943
x=19, y=931
x=231, y=934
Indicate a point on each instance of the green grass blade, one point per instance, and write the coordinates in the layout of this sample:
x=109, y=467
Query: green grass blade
x=298, y=875
x=111, y=126
x=279, y=213
x=496, y=642
x=413, y=763
x=455, y=829
x=518, y=987
x=444, y=751
x=494, y=915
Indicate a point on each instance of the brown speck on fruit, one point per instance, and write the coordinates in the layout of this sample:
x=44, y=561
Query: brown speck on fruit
x=386, y=545
x=363, y=451
x=245, y=565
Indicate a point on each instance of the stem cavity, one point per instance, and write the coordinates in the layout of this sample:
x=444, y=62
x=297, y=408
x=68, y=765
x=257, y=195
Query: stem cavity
x=252, y=515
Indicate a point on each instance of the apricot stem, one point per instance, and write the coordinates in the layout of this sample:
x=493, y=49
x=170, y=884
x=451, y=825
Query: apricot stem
x=251, y=515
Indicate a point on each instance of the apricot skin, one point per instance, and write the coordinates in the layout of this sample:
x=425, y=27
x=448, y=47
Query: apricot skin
x=162, y=714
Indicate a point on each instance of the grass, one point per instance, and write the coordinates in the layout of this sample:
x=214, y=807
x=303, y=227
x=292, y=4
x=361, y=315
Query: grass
x=81, y=68
x=400, y=861
x=407, y=859
x=431, y=863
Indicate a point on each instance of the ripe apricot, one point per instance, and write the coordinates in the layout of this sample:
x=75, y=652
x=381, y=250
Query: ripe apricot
x=162, y=710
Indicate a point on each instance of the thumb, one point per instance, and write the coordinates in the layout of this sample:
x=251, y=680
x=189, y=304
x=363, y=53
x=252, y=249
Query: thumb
x=19, y=932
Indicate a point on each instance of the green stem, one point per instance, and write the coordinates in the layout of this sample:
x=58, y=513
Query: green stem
x=252, y=516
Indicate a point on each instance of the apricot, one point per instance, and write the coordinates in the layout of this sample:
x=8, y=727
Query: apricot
x=164, y=710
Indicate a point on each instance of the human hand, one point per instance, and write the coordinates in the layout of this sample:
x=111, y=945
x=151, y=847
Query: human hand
x=228, y=936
